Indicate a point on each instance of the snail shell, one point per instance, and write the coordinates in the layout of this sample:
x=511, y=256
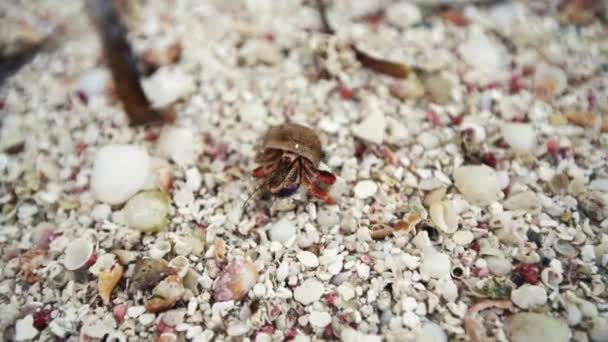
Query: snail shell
x=294, y=138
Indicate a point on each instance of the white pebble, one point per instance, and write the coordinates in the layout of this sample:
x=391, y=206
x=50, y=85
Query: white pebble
x=479, y=184
x=194, y=331
x=310, y=291
x=24, y=329
x=435, y=264
x=463, y=237
x=119, y=172
x=135, y=311
x=588, y=253
x=372, y=127
x=101, y=212
x=520, y=136
x=431, y=332
x=178, y=144
x=346, y=292
x=147, y=211
x=253, y=112
x=528, y=296
x=403, y=14
x=327, y=218
x=319, y=319
x=94, y=82
x=238, y=329
x=352, y=335
x=308, y=259
x=283, y=230
x=411, y=320
x=365, y=189
x=498, y=265
x=146, y=319
x=259, y=290
x=447, y=289
x=168, y=85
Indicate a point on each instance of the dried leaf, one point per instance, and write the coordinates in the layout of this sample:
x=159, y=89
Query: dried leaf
x=382, y=66
x=122, y=63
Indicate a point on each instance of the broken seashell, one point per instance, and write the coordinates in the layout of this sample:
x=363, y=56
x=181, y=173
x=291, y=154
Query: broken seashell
x=43, y=234
x=435, y=196
x=565, y=249
x=551, y=277
x=166, y=294
x=191, y=281
x=235, y=281
x=445, y=216
x=108, y=280
x=166, y=337
x=147, y=211
x=124, y=256
x=479, y=184
x=103, y=263
x=529, y=326
x=407, y=225
x=77, y=254
x=58, y=276
x=180, y=264
x=220, y=249
x=148, y=272
x=160, y=249
x=189, y=243
x=29, y=263
x=549, y=81
x=472, y=326
x=380, y=231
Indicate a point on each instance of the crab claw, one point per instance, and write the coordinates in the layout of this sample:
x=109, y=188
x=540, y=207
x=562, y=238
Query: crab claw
x=317, y=192
x=326, y=177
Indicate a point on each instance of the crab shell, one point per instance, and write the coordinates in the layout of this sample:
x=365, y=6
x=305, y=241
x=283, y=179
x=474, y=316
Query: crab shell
x=294, y=138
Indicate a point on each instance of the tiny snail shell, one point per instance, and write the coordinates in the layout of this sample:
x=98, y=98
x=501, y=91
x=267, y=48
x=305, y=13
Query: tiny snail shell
x=116, y=336
x=181, y=264
x=459, y=272
x=160, y=249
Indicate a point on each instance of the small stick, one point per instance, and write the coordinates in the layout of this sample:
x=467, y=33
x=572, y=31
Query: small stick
x=121, y=60
x=389, y=68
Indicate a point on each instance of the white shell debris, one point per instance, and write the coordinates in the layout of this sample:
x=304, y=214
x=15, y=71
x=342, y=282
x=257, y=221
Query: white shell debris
x=319, y=319
x=308, y=259
x=479, y=184
x=528, y=326
x=168, y=85
x=24, y=329
x=520, y=136
x=403, y=14
x=179, y=144
x=365, y=189
x=78, y=253
x=119, y=172
x=445, y=216
x=528, y=296
x=431, y=332
x=282, y=230
x=372, y=128
x=485, y=55
x=435, y=264
x=309, y=291
x=253, y=112
x=94, y=82
x=147, y=211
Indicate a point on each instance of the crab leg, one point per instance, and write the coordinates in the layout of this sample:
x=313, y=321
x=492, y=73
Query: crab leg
x=321, y=176
x=265, y=170
x=313, y=189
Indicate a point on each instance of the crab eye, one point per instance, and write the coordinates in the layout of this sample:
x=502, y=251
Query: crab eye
x=288, y=190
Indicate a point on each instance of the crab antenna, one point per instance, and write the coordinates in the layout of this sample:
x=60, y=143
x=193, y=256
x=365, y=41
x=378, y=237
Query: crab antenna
x=258, y=188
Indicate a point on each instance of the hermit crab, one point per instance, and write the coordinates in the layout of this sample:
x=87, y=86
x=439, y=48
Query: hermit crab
x=288, y=157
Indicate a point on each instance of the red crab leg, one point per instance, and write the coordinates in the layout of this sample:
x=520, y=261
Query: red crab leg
x=264, y=171
x=321, y=176
x=315, y=191
x=325, y=177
